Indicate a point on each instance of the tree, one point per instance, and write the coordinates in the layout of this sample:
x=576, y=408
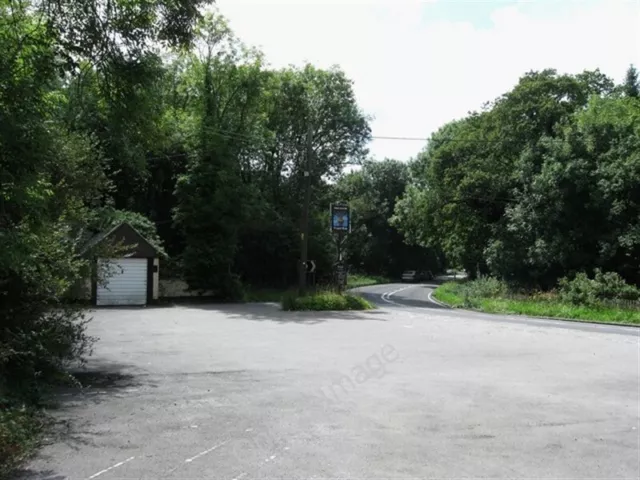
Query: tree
x=518, y=190
x=213, y=201
x=631, y=86
x=375, y=246
x=53, y=172
x=293, y=100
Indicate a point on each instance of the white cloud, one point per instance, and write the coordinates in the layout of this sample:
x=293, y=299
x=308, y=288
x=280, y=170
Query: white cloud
x=414, y=74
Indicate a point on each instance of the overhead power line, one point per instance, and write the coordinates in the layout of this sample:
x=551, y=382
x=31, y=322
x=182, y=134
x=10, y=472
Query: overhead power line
x=409, y=139
x=244, y=138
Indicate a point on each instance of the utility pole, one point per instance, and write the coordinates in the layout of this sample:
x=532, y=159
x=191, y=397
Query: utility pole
x=304, y=221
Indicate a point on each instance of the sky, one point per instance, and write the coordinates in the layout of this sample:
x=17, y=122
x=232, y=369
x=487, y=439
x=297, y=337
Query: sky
x=417, y=65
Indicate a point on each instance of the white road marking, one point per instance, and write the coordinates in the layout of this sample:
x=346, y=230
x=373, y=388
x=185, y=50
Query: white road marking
x=433, y=300
x=189, y=460
x=385, y=296
x=110, y=468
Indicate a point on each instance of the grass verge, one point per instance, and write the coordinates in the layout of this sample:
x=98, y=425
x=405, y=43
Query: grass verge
x=263, y=294
x=322, y=301
x=356, y=280
x=454, y=294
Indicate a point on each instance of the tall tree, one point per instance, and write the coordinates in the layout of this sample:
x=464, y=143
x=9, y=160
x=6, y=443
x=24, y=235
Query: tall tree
x=631, y=86
x=374, y=246
x=213, y=200
x=518, y=189
x=297, y=101
x=52, y=174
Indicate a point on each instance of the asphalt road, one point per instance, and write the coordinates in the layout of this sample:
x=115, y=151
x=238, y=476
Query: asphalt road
x=402, y=295
x=406, y=391
x=417, y=298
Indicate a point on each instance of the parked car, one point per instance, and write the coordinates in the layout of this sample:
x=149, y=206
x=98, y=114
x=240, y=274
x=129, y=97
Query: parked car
x=416, y=275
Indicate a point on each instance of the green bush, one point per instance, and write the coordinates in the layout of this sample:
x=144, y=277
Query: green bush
x=579, y=291
x=324, y=301
x=34, y=351
x=485, y=287
x=19, y=431
x=582, y=290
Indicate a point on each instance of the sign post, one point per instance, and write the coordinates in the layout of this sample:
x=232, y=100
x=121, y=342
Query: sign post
x=340, y=218
x=310, y=269
x=340, y=226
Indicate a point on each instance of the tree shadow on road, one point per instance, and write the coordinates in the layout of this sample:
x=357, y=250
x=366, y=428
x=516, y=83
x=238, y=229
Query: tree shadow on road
x=272, y=312
x=98, y=382
x=39, y=475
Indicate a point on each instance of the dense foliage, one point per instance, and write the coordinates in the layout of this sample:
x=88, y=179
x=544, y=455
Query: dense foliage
x=54, y=174
x=539, y=185
x=374, y=246
x=603, y=287
x=57, y=171
x=151, y=113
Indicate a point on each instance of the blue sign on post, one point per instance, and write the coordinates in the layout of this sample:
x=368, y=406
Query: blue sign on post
x=340, y=218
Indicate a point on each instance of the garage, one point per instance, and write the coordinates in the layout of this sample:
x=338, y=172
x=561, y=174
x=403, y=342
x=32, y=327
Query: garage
x=127, y=284
x=129, y=279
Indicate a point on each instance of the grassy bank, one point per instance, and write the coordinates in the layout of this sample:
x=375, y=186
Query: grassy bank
x=263, y=294
x=537, y=305
x=357, y=280
x=322, y=301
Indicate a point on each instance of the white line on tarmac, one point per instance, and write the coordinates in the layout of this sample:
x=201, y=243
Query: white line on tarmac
x=431, y=299
x=385, y=296
x=189, y=460
x=110, y=468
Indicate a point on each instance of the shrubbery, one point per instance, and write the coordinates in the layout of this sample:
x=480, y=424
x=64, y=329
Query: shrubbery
x=19, y=428
x=34, y=354
x=485, y=287
x=603, y=298
x=324, y=301
x=582, y=290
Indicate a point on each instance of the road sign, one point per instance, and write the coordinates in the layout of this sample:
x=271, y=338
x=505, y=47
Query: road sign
x=311, y=266
x=340, y=218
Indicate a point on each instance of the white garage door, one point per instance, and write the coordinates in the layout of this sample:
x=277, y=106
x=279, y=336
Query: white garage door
x=127, y=284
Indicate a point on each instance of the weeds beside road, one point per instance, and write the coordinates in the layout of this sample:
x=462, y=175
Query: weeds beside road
x=325, y=300
x=357, y=280
x=264, y=294
x=322, y=299
x=489, y=295
x=20, y=429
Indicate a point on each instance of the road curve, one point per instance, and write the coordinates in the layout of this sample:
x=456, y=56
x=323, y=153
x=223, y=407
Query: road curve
x=402, y=295
x=418, y=298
